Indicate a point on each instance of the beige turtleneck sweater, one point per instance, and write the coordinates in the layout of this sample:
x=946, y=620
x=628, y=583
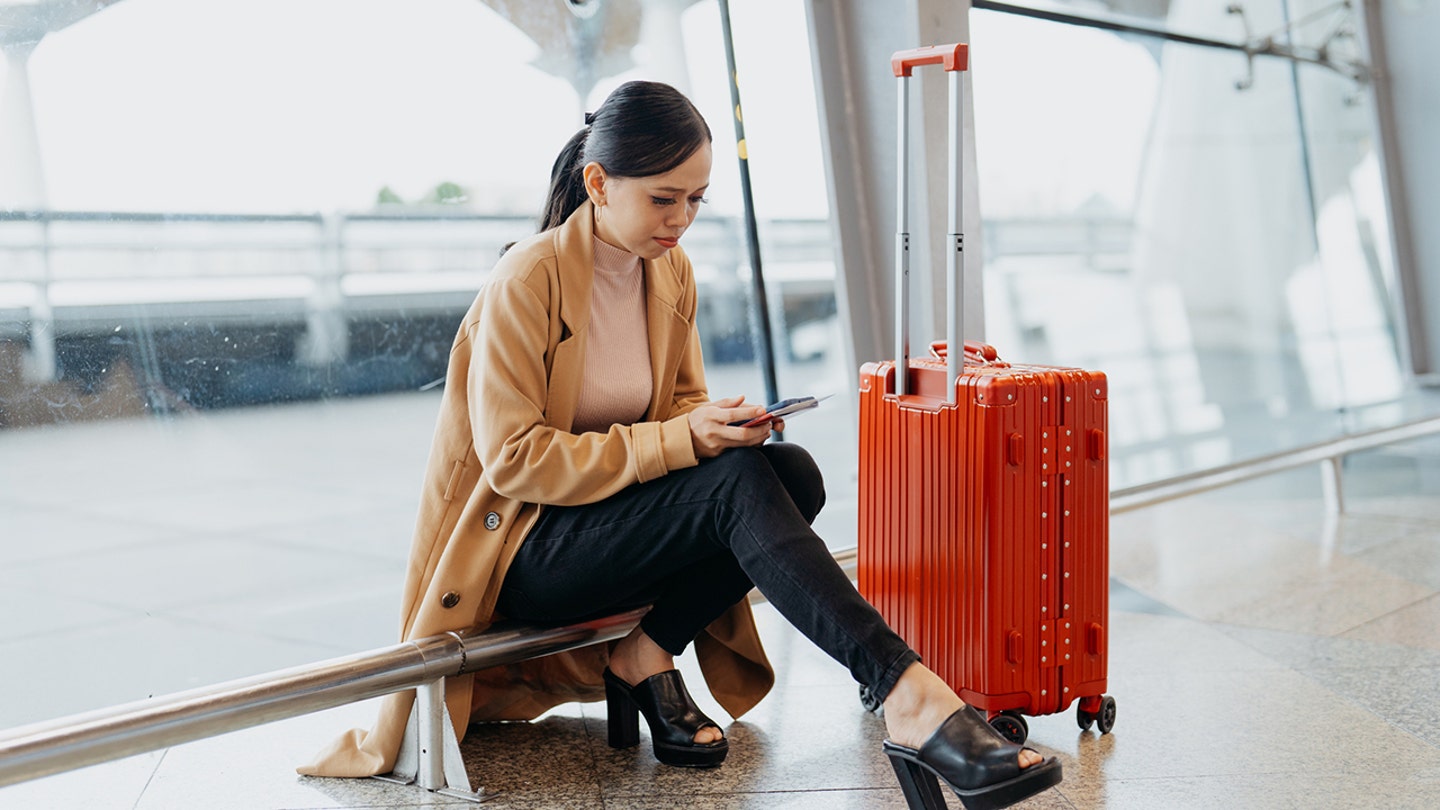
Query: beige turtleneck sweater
x=617, y=385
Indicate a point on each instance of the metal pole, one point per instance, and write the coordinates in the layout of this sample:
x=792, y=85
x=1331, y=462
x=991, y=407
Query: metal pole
x=752, y=235
x=1332, y=484
x=431, y=700
x=955, y=255
x=54, y=746
x=902, y=240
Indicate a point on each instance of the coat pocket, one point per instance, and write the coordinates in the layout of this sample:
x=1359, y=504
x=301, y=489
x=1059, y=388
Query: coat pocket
x=455, y=474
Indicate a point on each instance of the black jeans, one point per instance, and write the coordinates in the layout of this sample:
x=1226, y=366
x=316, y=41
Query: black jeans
x=692, y=543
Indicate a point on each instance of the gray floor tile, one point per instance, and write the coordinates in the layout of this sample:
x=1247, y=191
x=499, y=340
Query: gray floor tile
x=114, y=785
x=25, y=614
x=872, y=799
x=1209, y=564
x=1327, y=600
x=812, y=738
x=376, y=529
x=1404, y=698
x=1185, y=724
x=1307, y=653
x=29, y=533
x=1146, y=644
x=1311, y=791
x=1414, y=557
x=158, y=577
x=79, y=670
x=1416, y=625
x=340, y=615
x=254, y=769
x=545, y=763
x=242, y=506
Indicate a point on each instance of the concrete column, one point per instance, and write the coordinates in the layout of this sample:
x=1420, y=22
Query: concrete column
x=1400, y=37
x=22, y=179
x=662, y=36
x=22, y=188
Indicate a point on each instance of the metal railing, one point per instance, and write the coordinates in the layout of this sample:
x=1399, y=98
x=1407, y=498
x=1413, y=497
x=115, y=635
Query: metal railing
x=67, y=743
x=1328, y=454
x=54, y=746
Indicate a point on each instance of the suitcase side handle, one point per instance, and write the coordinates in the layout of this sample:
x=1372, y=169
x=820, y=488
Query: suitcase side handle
x=953, y=57
x=974, y=349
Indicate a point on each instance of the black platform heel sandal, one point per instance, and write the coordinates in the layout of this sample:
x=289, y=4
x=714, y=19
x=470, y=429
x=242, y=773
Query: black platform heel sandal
x=972, y=759
x=672, y=715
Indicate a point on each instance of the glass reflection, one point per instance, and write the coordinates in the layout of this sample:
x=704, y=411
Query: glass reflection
x=400, y=179
x=296, y=219
x=1189, y=224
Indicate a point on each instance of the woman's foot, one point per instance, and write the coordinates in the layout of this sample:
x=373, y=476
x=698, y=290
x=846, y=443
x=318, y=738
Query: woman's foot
x=919, y=703
x=636, y=658
x=935, y=739
x=672, y=715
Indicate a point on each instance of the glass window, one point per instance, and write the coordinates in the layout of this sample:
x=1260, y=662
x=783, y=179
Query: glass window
x=229, y=284
x=1216, y=249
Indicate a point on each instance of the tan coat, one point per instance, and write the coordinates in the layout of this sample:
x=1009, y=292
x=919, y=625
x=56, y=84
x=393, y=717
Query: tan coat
x=502, y=445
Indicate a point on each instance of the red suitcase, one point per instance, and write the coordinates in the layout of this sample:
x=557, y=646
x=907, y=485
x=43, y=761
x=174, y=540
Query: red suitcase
x=984, y=499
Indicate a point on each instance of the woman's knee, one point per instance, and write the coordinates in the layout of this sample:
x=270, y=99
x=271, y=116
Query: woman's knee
x=751, y=474
x=737, y=461
x=802, y=478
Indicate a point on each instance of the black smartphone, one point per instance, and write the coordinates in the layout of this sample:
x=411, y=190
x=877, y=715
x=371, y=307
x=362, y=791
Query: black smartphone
x=783, y=408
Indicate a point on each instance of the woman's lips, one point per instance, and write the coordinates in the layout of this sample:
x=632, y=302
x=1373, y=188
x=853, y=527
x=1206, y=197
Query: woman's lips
x=668, y=243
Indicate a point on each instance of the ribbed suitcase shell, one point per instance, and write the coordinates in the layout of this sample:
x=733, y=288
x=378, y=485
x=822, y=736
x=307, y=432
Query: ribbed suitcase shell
x=984, y=528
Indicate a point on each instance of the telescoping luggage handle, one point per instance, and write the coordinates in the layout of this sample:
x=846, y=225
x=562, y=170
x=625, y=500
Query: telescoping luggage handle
x=955, y=59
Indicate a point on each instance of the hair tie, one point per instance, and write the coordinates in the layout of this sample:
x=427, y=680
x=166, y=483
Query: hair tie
x=589, y=118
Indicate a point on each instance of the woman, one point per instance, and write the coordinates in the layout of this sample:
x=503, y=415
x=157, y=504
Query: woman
x=579, y=468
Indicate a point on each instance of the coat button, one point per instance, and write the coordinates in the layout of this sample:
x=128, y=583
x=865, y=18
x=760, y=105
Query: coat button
x=492, y=521
x=450, y=599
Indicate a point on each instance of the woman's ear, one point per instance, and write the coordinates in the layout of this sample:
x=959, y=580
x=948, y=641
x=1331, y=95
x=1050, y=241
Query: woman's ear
x=594, y=175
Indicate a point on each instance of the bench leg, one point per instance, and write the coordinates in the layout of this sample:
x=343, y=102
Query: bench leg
x=430, y=755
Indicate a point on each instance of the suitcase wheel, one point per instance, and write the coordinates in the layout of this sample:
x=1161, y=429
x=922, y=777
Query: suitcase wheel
x=1012, y=726
x=869, y=702
x=1103, y=718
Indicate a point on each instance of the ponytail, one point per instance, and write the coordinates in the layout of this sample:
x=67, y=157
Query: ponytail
x=641, y=130
x=567, y=182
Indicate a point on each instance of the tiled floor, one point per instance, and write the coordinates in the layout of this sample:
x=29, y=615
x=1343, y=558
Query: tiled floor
x=1261, y=655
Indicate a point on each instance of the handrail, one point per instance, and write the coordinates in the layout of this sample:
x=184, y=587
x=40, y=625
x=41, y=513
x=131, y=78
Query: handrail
x=66, y=743
x=1324, y=452
x=53, y=746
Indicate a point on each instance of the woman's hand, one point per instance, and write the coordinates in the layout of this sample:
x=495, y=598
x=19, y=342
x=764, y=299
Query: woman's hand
x=712, y=434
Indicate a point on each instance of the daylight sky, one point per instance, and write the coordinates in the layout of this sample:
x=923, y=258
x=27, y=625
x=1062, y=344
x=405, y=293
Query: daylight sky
x=305, y=105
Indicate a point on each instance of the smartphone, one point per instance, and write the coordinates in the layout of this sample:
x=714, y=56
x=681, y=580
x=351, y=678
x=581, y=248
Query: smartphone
x=783, y=408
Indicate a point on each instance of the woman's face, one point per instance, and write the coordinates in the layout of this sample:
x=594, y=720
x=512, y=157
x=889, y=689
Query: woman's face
x=648, y=215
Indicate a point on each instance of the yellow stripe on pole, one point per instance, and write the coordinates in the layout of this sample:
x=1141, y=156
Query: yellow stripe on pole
x=744, y=153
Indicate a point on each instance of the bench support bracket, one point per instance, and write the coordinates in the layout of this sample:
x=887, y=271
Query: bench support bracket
x=430, y=754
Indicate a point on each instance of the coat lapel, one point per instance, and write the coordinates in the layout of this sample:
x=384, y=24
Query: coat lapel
x=575, y=252
x=662, y=287
x=575, y=259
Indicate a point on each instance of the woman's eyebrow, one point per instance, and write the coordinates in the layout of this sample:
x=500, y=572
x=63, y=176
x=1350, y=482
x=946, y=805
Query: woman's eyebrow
x=674, y=190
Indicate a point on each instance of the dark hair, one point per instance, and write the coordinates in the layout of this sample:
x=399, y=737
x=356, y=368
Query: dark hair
x=642, y=129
